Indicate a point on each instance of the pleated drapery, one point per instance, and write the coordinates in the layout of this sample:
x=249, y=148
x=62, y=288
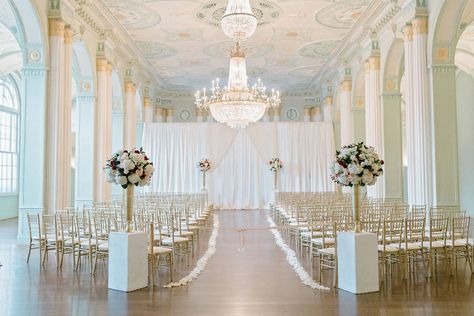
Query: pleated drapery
x=240, y=177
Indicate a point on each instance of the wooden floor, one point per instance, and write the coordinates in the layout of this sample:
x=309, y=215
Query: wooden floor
x=255, y=281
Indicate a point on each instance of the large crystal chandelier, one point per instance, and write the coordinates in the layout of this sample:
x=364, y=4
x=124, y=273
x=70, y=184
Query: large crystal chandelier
x=237, y=104
x=238, y=21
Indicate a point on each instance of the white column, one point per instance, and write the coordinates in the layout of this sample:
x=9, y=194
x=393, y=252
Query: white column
x=347, y=133
x=418, y=120
x=32, y=151
x=130, y=117
x=199, y=115
x=169, y=115
x=374, y=123
x=307, y=114
x=55, y=114
x=410, y=114
x=103, y=130
x=84, y=150
x=328, y=109
x=147, y=110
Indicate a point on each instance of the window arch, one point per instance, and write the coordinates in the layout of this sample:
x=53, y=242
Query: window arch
x=9, y=114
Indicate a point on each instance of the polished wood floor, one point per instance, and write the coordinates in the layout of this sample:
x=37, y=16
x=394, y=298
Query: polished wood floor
x=256, y=280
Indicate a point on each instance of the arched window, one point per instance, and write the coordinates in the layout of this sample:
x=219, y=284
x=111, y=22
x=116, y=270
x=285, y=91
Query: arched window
x=9, y=111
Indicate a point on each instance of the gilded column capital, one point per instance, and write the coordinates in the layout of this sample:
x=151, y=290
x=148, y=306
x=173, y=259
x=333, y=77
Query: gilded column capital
x=68, y=33
x=159, y=111
x=277, y=111
x=56, y=27
x=316, y=110
x=169, y=112
x=366, y=66
x=328, y=100
x=420, y=25
x=130, y=87
x=374, y=63
x=146, y=102
x=347, y=85
x=408, y=32
x=199, y=112
x=101, y=64
x=307, y=111
x=109, y=68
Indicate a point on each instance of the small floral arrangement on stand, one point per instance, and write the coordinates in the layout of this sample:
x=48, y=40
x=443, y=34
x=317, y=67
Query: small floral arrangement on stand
x=129, y=168
x=275, y=166
x=356, y=165
x=204, y=166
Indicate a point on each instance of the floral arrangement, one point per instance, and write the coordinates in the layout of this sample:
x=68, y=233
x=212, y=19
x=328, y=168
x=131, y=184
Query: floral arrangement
x=275, y=164
x=356, y=164
x=129, y=167
x=204, y=165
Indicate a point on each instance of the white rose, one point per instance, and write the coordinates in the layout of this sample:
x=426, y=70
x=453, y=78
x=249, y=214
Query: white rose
x=367, y=178
x=138, y=158
x=149, y=169
x=354, y=168
x=133, y=178
x=122, y=180
x=127, y=165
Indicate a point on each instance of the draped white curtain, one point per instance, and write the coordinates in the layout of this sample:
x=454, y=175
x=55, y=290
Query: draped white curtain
x=240, y=177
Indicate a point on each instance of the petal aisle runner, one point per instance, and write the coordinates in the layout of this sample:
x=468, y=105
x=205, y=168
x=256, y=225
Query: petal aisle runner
x=202, y=262
x=305, y=278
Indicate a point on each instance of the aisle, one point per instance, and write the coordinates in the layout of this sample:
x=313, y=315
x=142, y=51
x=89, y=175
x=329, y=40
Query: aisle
x=255, y=281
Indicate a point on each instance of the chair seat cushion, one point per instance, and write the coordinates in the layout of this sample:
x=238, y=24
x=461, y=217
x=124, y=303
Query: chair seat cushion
x=388, y=248
x=327, y=251
x=169, y=241
x=161, y=250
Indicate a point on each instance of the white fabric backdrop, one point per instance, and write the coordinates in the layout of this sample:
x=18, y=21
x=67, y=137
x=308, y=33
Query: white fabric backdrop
x=240, y=177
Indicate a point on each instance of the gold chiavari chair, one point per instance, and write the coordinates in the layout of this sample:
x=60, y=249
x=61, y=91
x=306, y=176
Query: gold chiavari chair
x=66, y=241
x=435, y=248
x=458, y=244
x=328, y=257
x=413, y=244
x=35, y=237
x=389, y=247
x=156, y=252
x=50, y=236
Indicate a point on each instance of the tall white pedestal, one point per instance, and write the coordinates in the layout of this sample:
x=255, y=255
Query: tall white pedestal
x=128, y=261
x=357, y=257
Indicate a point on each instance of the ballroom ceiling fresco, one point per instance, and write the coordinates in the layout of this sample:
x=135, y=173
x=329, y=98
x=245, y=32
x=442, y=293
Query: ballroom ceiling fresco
x=183, y=40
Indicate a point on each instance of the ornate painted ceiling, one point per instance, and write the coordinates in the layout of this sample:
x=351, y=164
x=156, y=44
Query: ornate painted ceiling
x=184, y=42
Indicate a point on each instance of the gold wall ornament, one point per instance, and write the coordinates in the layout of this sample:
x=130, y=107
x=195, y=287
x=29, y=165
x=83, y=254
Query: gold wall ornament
x=68, y=34
x=56, y=27
x=420, y=25
x=390, y=85
x=347, y=85
x=442, y=53
x=408, y=32
x=101, y=64
x=374, y=63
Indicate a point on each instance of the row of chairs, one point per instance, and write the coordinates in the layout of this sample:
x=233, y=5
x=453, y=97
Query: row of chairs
x=172, y=223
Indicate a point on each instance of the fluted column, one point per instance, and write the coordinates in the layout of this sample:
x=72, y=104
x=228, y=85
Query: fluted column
x=130, y=117
x=418, y=120
x=103, y=129
x=374, y=119
x=54, y=120
x=147, y=110
x=347, y=133
x=328, y=109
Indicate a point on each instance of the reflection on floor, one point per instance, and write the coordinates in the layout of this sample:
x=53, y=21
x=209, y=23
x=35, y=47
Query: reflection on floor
x=250, y=280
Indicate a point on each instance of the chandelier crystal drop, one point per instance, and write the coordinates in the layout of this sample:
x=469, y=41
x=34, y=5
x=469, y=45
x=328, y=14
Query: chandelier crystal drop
x=236, y=104
x=239, y=22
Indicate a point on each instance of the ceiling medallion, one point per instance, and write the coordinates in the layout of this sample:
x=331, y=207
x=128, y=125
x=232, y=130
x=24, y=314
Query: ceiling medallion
x=133, y=16
x=341, y=15
x=239, y=22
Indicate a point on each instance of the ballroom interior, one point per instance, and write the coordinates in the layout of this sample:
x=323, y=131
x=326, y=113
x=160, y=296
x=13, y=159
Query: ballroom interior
x=236, y=157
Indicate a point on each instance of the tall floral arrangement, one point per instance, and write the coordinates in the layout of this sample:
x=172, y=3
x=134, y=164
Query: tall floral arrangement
x=204, y=165
x=356, y=164
x=129, y=168
x=275, y=164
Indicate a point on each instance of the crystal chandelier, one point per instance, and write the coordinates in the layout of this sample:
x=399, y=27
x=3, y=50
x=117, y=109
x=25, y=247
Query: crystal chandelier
x=238, y=21
x=237, y=105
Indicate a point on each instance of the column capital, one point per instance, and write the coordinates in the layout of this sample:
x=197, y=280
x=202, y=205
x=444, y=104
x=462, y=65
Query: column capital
x=374, y=63
x=109, y=68
x=68, y=33
x=408, y=32
x=200, y=112
x=315, y=110
x=420, y=25
x=307, y=111
x=101, y=64
x=146, y=102
x=56, y=27
x=169, y=112
x=159, y=111
x=328, y=100
x=347, y=85
x=277, y=110
x=366, y=66
x=130, y=87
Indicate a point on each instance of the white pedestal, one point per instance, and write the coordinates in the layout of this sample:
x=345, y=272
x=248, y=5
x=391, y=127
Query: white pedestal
x=128, y=261
x=357, y=257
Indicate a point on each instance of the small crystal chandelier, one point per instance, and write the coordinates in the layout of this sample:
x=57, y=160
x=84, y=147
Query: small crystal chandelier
x=237, y=105
x=238, y=21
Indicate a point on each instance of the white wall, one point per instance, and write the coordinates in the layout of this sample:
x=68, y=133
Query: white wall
x=465, y=116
